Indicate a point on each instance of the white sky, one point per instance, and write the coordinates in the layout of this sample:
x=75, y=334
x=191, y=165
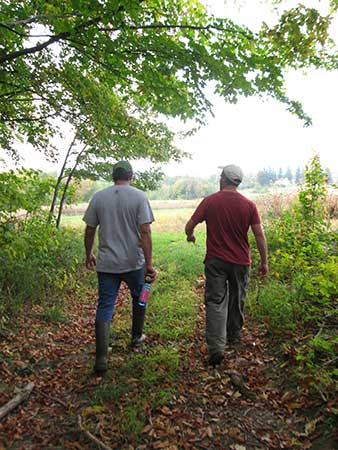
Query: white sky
x=256, y=134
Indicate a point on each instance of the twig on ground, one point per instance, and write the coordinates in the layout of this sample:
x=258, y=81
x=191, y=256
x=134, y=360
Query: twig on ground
x=327, y=363
x=19, y=398
x=319, y=332
x=50, y=397
x=91, y=436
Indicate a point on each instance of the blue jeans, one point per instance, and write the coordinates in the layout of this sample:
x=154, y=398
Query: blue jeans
x=109, y=284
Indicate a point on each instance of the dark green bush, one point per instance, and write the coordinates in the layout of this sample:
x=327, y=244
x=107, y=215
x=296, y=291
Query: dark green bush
x=37, y=263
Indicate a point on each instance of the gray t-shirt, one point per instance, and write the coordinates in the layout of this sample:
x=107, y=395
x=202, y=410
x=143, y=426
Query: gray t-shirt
x=119, y=211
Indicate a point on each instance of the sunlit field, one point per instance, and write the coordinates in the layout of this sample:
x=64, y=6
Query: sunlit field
x=172, y=215
x=166, y=220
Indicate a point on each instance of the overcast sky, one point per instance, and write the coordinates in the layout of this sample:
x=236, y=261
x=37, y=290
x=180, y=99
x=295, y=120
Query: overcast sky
x=256, y=134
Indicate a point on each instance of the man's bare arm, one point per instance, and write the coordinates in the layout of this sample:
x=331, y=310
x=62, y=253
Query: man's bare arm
x=262, y=248
x=146, y=244
x=89, y=243
x=189, y=231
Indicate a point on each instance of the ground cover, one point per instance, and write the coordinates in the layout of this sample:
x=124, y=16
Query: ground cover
x=163, y=397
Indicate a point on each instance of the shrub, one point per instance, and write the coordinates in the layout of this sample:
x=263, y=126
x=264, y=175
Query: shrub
x=301, y=292
x=37, y=263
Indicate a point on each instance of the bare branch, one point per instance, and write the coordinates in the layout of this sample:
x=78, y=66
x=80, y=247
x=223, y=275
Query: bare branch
x=25, y=35
x=58, y=37
x=28, y=119
x=12, y=404
x=91, y=436
x=25, y=51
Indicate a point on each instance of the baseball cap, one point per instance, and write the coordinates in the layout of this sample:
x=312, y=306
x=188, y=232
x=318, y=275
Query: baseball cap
x=233, y=173
x=122, y=166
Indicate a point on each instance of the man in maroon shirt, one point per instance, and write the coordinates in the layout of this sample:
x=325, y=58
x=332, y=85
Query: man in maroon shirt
x=228, y=215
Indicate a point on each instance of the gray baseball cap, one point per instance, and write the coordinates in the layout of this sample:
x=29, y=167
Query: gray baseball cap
x=233, y=173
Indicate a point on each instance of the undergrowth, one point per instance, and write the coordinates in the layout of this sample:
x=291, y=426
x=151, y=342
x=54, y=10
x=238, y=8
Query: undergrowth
x=298, y=302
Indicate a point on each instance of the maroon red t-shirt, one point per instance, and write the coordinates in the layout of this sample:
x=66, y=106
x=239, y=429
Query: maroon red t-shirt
x=228, y=216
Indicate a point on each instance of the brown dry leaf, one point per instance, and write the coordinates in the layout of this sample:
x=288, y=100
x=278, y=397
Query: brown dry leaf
x=166, y=411
x=145, y=430
x=209, y=432
x=236, y=434
x=161, y=444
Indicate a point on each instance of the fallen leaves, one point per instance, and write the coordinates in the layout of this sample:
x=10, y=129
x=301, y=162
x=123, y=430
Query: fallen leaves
x=236, y=407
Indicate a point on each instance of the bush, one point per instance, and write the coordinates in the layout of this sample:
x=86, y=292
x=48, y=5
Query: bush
x=301, y=292
x=37, y=263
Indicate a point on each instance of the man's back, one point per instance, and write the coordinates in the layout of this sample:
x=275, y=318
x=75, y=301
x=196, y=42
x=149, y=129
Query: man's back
x=228, y=216
x=119, y=211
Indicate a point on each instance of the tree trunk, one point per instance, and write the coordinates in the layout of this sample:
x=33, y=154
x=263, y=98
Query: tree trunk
x=65, y=189
x=59, y=180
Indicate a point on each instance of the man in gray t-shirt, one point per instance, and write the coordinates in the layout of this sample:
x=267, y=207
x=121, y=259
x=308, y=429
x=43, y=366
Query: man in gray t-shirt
x=123, y=215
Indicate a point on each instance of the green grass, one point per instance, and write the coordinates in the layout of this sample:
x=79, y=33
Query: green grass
x=148, y=379
x=53, y=314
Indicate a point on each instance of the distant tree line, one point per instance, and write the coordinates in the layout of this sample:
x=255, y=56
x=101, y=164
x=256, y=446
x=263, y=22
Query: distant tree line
x=188, y=188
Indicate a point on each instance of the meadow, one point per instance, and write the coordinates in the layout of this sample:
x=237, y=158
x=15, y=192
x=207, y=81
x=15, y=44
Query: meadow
x=166, y=220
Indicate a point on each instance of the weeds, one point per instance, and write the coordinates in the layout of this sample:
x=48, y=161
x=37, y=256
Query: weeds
x=301, y=292
x=53, y=314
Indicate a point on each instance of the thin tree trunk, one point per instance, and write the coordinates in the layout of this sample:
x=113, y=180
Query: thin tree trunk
x=59, y=180
x=65, y=189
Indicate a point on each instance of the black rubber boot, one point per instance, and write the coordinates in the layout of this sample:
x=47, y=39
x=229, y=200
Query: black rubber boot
x=216, y=359
x=137, y=336
x=102, y=341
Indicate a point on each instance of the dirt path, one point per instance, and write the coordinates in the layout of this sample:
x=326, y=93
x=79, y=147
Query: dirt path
x=247, y=404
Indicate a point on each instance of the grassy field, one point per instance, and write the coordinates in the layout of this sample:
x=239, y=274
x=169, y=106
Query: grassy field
x=166, y=220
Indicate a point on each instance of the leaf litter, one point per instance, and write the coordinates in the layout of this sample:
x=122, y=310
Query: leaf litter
x=243, y=405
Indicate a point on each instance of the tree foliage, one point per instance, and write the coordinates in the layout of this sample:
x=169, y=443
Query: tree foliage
x=136, y=60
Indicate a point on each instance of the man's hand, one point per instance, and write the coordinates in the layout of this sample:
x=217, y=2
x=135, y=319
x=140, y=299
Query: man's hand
x=91, y=261
x=262, y=248
x=89, y=242
x=150, y=273
x=189, y=231
x=191, y=239
x=263, y=269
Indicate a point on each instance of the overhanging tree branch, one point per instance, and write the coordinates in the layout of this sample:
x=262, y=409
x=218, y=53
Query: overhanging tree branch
x=58, y=37
x=67, y=34
x=42, y=16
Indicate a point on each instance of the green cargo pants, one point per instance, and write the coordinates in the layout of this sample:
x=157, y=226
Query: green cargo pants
x=225, y=291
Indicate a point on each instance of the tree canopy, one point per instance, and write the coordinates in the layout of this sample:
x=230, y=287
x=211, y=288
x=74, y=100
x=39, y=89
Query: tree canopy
x=113, y=68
